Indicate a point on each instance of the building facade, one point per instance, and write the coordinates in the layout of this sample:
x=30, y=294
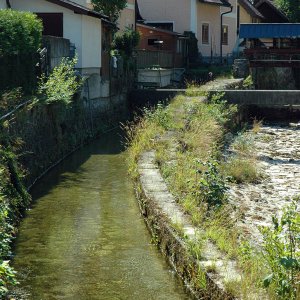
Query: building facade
x=201, y=17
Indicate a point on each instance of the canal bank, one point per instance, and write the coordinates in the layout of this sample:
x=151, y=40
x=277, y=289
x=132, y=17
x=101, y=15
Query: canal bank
x=84, y=237
x=183, y=173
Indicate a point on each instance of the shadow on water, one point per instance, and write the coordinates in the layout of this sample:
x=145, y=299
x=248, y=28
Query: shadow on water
x=110, y=143
x=84, y=237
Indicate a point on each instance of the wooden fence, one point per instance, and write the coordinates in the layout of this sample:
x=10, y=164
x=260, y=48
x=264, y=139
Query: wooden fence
x=164, y=59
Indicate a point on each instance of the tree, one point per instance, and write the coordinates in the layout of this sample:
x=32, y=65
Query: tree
x=111, y=8
x=291, y=8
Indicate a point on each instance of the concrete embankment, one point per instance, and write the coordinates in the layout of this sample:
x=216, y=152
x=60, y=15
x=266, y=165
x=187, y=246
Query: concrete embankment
x=217, y=256
x=51, y=132
x=207, y=274
x=161, y=212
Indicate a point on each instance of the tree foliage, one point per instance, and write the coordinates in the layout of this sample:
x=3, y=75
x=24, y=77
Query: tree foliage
x=20, y=32
x=291, y=8
x=111, y=8
x=61, y=85
x=126, y=42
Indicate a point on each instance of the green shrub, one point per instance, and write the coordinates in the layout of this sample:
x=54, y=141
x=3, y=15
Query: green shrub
x=13, y=199
x=126, y=42
x=212, y=185
x=20, y=38
x=242, y=170
x=20, y=32
x=61, y=85
x=160, y=116
x=282, y=253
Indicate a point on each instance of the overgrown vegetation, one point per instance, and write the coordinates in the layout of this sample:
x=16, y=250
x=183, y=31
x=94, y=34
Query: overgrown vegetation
x=20, y=32
x=282, y=253
x=20, y=38
x=111, y=8
x=190, y=137
x=242, y=165
x=61, y=85
x=203, y=74
x=291, y=8
x=126, y=42
x=13, y=199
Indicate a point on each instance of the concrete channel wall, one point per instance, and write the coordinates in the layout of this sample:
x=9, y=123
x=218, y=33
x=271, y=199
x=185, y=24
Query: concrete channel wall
x=161, y=211
x=51, y=132
x=267, y=98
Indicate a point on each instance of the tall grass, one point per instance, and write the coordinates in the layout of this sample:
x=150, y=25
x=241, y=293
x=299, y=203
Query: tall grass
x=189, y=131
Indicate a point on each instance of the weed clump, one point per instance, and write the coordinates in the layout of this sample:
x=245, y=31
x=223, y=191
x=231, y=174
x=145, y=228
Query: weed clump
x=282, y=253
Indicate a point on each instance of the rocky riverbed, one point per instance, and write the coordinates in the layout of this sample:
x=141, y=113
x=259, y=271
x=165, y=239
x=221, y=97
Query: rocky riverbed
x=278, y=154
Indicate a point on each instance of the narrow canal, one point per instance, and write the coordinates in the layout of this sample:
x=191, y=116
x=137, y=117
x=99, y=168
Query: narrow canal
x=84, y=237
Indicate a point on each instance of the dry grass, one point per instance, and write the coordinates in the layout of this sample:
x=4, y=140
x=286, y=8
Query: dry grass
x=198, y=132
x=242, y=170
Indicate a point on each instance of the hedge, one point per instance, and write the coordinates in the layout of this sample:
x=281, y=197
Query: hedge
x=20, y=38
x=20, y=32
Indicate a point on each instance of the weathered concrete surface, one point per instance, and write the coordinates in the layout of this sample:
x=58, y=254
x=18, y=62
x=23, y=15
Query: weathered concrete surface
x=278, y=153
x=159, y=203
x=233, y=94
x=263, y=97
x=51, y=132
x=58, y=48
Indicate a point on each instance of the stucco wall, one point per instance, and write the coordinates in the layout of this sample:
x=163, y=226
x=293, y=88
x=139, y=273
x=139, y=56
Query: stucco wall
x=127, y=17
x=244, y=16
x=231, y=21
x=190, y=15
x=169, y=10
x=80, y=30
x=209, y=14
x=2, y=4
x=91, y=42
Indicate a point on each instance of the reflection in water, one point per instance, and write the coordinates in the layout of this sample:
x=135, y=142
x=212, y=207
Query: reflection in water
x=84, y=237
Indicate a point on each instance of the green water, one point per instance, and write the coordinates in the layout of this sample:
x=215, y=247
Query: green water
x=84, y=237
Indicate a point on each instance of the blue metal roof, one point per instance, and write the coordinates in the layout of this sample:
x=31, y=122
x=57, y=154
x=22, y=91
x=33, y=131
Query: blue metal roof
x=270, y=30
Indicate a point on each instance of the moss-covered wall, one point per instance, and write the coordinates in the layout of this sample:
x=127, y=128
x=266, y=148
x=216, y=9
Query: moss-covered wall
x=32, y=140
x=50, y=132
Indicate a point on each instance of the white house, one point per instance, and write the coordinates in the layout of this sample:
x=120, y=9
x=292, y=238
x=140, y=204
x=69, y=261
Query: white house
x=76, y=22
x=203, y=17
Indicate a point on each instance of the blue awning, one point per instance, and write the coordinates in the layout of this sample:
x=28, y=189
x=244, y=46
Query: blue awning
x=270, y=30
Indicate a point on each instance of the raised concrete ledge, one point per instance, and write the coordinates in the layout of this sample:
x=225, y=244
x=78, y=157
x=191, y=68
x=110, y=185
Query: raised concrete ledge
x=250, y=97
x=160, y=211
x=265, y=98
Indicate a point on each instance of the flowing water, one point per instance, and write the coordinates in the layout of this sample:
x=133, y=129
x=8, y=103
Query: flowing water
x=84, y=237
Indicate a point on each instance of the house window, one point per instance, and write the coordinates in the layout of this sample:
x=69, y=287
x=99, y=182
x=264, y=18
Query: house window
x=225, y=35
x=152, y=42
x=205, y=33
x=52, y=23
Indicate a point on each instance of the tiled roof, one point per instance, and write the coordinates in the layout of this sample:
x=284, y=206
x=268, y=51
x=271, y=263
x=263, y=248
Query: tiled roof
x=250, y=9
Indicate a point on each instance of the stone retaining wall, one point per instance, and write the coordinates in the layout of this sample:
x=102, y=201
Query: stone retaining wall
x=160, y=210
x=51, y=132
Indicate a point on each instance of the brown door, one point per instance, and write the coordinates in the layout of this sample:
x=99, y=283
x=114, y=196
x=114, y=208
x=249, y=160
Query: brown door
x=53, y=23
